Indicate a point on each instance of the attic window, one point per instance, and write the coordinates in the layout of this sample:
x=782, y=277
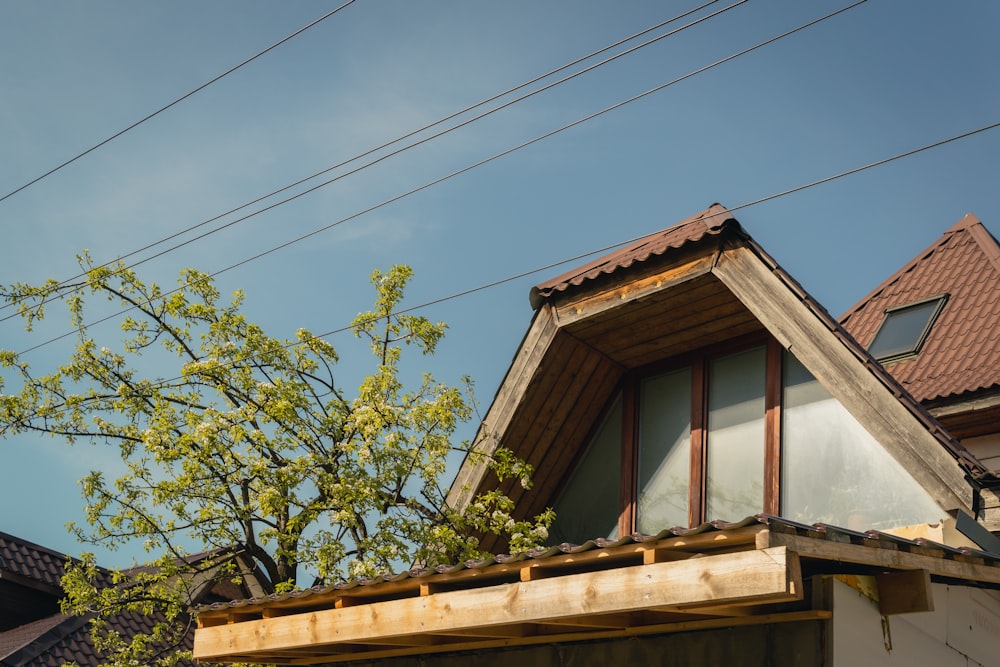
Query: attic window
x=904, y=329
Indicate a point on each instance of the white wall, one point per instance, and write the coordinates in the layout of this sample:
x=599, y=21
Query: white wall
x=962, y=631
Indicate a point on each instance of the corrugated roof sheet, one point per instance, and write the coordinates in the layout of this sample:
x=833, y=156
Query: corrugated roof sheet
x=481, y=570
x=961, y=354
x=709, y=222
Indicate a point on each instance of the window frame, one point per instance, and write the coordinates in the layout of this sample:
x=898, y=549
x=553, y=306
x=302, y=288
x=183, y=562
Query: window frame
x=921, y=338
x=698, y=458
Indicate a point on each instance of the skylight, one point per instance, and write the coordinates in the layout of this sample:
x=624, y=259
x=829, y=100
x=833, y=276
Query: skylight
x=905, y=328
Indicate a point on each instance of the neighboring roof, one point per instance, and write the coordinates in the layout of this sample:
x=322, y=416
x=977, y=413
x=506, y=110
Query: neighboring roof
x=636, y=585
x=59, y=639
x=961, y=354
x=62, y=639
x=31, y=561
x=22, y=636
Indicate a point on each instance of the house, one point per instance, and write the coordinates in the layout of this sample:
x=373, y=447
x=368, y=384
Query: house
x=34, y=632
x=685, y=380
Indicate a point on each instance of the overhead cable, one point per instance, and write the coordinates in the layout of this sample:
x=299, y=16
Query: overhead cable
x=177, y=101
x=604, y=249
x=474, y=165
x=546, y=267
x=403, y=138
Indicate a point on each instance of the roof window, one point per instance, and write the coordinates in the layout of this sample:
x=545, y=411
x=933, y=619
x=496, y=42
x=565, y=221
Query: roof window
x=904, y=329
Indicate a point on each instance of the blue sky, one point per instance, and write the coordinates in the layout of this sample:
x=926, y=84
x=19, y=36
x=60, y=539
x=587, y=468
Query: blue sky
x=881, y=79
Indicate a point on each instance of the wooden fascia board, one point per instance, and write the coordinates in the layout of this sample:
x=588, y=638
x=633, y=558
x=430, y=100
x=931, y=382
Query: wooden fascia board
x=760, y=575
x=799, y=330
x=978, y=404
x=509, y=396
x=595, y=301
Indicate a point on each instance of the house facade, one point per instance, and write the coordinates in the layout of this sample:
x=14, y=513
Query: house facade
x=737, y=477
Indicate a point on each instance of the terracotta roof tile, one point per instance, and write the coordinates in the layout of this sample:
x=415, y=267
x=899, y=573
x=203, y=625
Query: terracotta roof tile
x=709, y=222
x=962, y=351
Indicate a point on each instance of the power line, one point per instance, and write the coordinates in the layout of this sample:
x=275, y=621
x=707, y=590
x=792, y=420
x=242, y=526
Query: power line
x=474, y=165
x=407, y=136
x=177, y=101
x=607, y=248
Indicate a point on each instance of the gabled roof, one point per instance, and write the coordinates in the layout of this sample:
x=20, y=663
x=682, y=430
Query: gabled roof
x=700, y=282
x=31, y=577
x=61, y=639
x=961, y=354
x=31, y=562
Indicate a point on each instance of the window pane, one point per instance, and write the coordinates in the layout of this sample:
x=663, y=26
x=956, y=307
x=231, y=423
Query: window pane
x=735, y=460
x=664, y=451
x=904, y=330
x=834, y=471
x=588, y=508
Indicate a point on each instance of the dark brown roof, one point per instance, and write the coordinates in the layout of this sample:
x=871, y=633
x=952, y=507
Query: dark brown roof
x=961, y=354
x=62, y=639
x=31, y=561
x=709, y=222
x=59, y=639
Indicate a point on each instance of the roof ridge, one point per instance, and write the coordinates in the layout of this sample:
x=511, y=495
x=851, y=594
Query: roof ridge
x=31, y=545
x=713, y=220
x=984, y=239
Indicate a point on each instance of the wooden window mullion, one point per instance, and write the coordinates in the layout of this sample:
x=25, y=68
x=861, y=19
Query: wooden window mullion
x=772, y=429
x=699, y=431
x=629, y=461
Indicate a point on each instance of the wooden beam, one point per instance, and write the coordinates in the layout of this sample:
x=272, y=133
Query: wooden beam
x=864, y=395
x=766, y=575
x=890, y=559
x=580, y=308
x=536, y=342
x=904, y=592
x=633, y=631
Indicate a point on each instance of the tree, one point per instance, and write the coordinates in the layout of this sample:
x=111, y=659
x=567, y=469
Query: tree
x=252, y=452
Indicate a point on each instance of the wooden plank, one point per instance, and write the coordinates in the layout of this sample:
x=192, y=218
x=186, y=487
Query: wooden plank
x=883, y=558
x=798, y=329
x=629, y=465
x=532, y=349
x=557, y=461
x=668, y=627
x=671, y=343
x=702, y=289
x=906, y=592
x=769, y=575
x=587, y=306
